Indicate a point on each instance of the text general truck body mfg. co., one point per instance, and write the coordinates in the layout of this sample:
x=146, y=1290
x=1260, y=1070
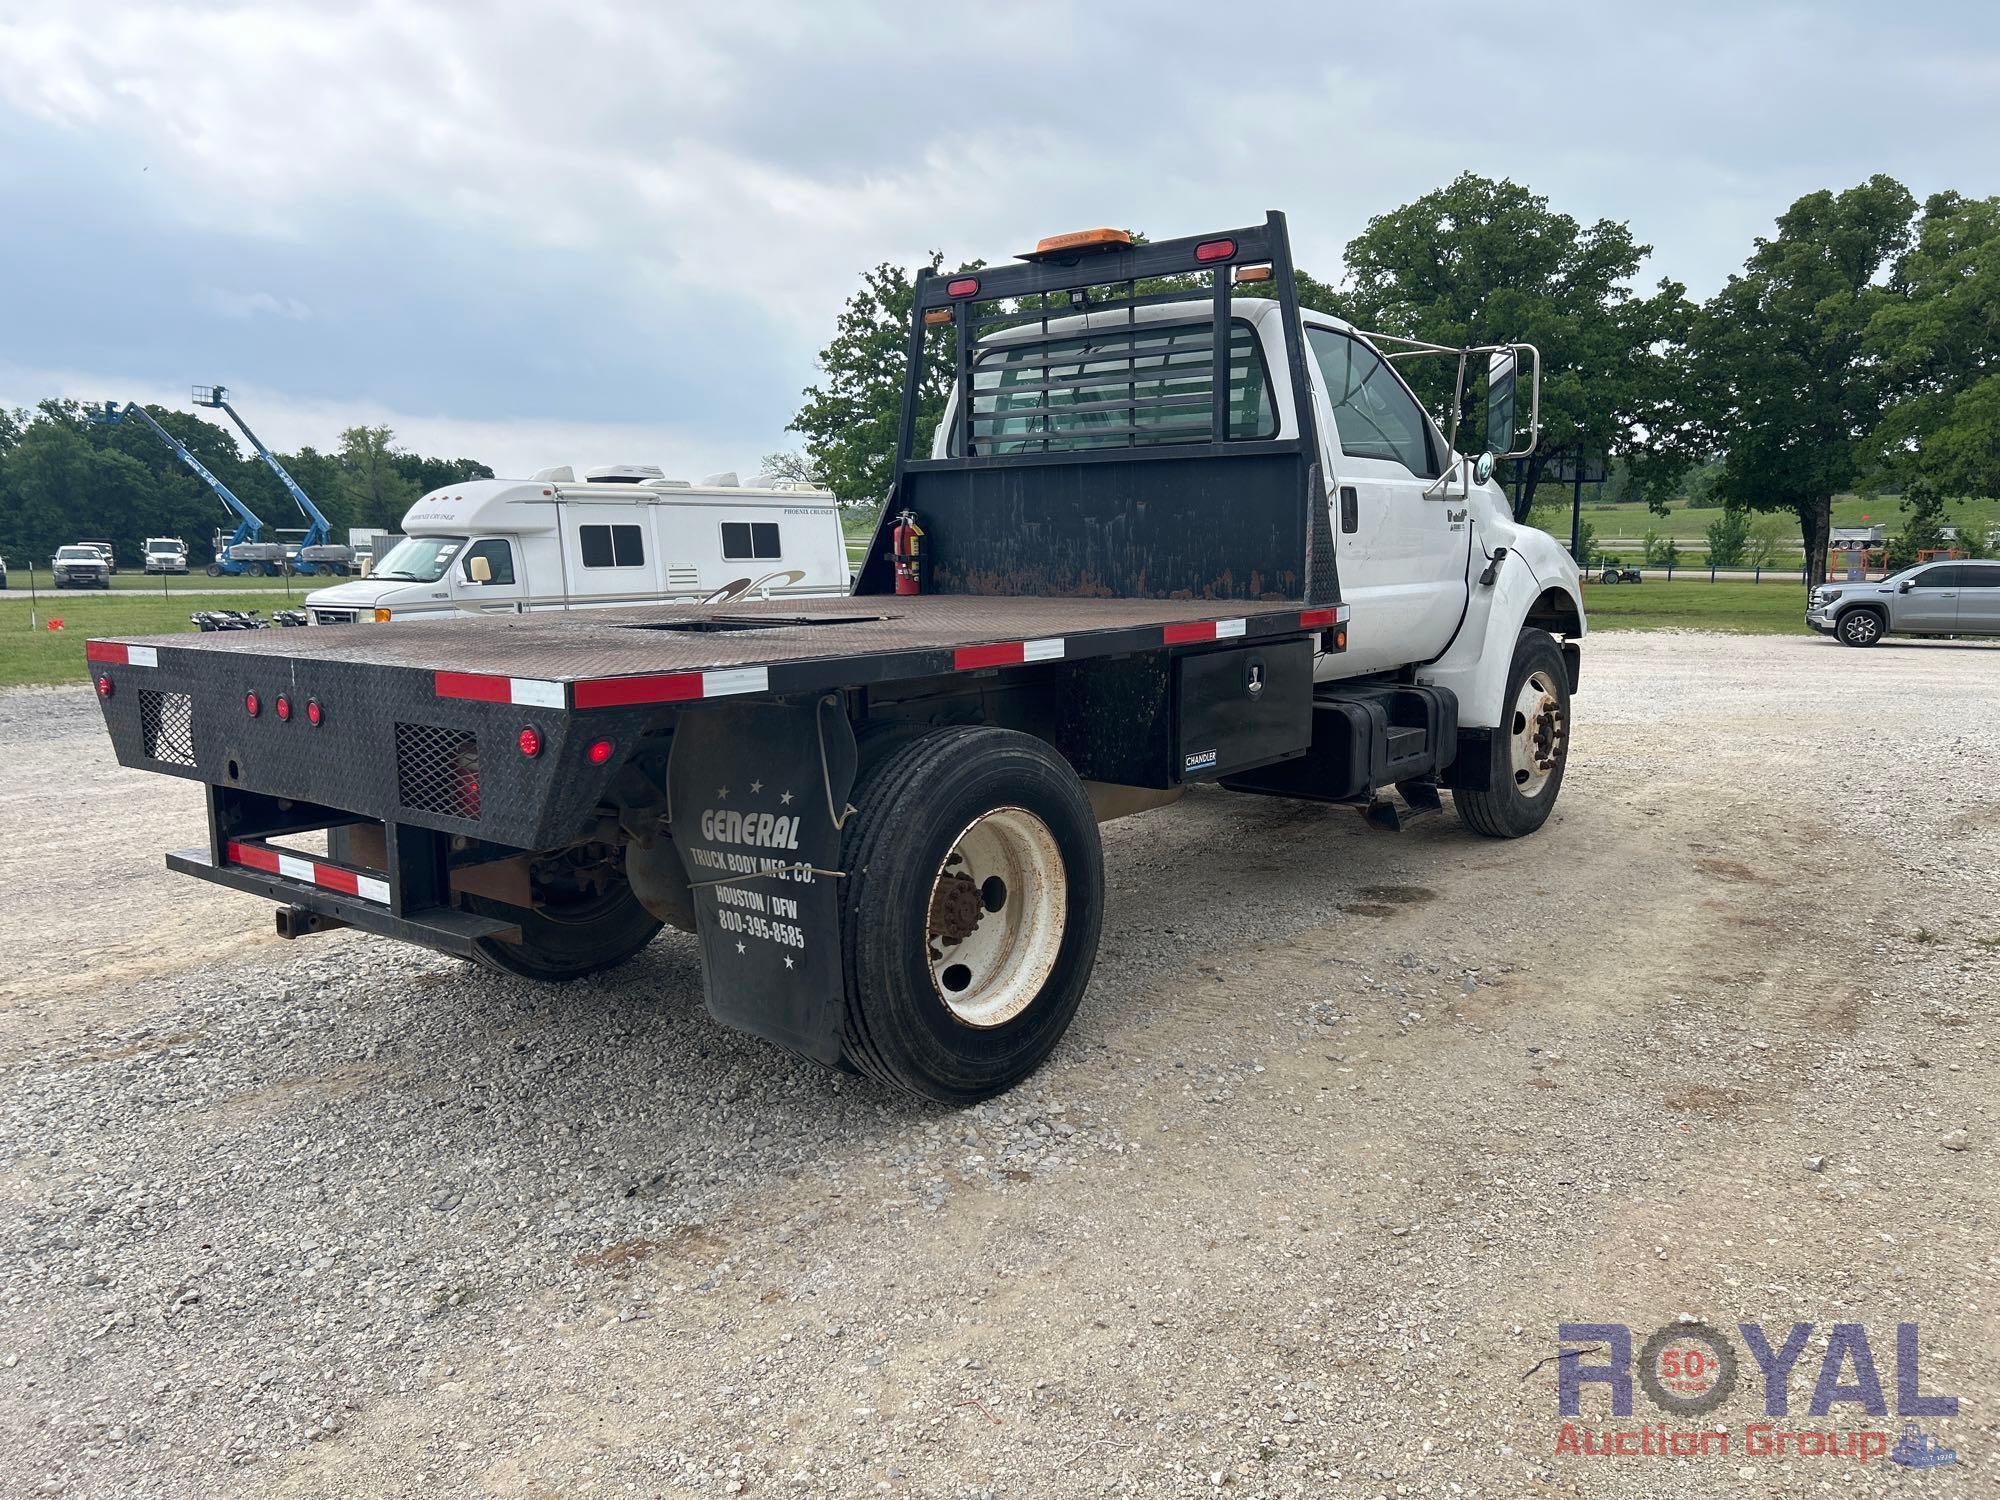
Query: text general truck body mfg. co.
x=1136, y=555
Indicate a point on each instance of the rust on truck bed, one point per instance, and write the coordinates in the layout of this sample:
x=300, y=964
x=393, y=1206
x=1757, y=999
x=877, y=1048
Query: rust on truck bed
x=580, y=645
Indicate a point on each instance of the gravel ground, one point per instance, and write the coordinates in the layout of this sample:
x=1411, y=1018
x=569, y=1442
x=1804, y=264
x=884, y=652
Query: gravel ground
x=1347, y=1125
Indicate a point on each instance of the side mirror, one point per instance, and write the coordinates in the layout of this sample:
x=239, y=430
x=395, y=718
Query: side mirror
x=1906, y=585
x=479, y=570
x=1482, y=468
x=1500, y=380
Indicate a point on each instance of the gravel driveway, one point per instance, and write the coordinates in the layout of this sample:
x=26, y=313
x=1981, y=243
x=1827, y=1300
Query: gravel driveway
x=1348, y=1124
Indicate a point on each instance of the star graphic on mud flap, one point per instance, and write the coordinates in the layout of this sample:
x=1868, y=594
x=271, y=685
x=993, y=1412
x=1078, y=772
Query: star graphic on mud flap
x=788, y=960
x=722, y=794
x=784, y=799
x=741, y=949
x=756, y=786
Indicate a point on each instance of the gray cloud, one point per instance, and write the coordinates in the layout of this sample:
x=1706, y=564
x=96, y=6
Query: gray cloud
x=627, y=218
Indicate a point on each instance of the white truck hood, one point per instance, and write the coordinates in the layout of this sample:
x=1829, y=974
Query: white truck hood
x=372, y=593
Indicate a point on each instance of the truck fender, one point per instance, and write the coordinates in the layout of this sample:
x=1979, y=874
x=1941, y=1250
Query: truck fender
x=1475, y=665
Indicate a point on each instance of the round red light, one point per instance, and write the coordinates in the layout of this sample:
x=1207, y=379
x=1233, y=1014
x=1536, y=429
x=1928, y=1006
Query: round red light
x=284, y=707
x=104, y=687
x=315, y=715
x=530, y=742
x=600, y=752
x=252, y=705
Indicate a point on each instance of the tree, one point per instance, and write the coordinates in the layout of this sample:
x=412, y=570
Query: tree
x=1766, y=542
x=374, y=488
x=1937, y=336
x=1923, y=526
x=850, y=418
x=788, y=468
x=1728, y=536
x=1784, y=385
x=1486, y=262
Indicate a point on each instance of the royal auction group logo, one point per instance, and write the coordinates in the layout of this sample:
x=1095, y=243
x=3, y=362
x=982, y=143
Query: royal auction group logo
x=1690, y=1370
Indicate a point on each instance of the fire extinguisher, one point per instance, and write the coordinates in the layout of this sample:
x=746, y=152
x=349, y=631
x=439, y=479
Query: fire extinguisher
x=906, y=545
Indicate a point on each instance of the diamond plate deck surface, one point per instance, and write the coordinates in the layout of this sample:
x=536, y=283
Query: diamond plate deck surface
x=560, y=646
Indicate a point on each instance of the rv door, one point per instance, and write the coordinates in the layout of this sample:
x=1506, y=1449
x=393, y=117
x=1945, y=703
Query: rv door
x=491, y=576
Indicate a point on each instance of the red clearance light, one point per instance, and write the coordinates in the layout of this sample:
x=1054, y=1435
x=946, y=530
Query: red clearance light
x=600, y=752
x=530, y=742
x=963, y=286
x=252, y=705
x=104, y=687
x=284, y=707
x=315, y=715
x=1215, y=250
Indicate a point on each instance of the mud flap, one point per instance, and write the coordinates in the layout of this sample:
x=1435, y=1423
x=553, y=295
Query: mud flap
x=756, y=795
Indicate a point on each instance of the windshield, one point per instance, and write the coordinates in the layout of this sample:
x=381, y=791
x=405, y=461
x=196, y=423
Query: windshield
x=78, y=554
x=158, y=546
x=419, y=559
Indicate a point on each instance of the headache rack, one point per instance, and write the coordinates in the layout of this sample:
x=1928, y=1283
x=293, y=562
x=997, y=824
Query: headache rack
x=1115, y=430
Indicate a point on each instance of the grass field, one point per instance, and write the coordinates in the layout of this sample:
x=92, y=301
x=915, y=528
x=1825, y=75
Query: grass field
x=1748, y=608
x=1689, y=523
x=41, y=655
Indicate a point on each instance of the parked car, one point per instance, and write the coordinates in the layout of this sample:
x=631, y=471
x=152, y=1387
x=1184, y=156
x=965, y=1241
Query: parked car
x=80, y=567
x=103, y=550
x=166, y=554
x=1937, y=598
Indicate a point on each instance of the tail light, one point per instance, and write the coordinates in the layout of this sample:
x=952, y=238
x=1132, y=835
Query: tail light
x=104, y=686
x=530, y=742
x=600, y=751
x=252, y=704
x=315, y=715
x=284, y=709
x=1214, y=250
x=964, y=286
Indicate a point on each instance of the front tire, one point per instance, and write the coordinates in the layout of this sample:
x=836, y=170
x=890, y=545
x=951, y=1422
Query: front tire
x=1529, y=749
x=970, y=911
x=1859, y=627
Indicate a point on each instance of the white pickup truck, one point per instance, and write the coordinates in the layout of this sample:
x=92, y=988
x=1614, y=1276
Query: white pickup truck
x=1160, y=538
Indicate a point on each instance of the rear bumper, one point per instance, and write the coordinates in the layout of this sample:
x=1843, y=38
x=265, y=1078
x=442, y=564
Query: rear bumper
x=444, y=928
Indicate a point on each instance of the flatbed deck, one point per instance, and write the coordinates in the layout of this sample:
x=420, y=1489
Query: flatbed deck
x=665, y=653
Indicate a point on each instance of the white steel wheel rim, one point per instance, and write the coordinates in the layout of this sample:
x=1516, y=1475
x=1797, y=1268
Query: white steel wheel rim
x=998, y=905
x=1536, y=736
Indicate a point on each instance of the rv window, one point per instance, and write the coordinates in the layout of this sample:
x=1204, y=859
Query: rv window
x=750, y=539
x=499, y=558
x=612, y=547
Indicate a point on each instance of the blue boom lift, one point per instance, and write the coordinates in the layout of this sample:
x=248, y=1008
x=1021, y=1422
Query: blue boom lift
x=318, y=552
x=246, y=551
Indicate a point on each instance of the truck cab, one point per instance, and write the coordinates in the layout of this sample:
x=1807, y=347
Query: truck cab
x=1414, y=524
x=497, y=546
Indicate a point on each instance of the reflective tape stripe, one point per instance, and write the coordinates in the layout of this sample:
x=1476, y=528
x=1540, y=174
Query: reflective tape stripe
x=1007, y=653
x=310, y=872
x=623, y=692
x=480, y=687
x=142, y=656
x=738, y=680
x=1228, y=629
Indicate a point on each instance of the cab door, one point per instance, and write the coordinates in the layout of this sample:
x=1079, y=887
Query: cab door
x=1979, y=599
x=1401, y=549
x=505, y=589
x=1931, y=602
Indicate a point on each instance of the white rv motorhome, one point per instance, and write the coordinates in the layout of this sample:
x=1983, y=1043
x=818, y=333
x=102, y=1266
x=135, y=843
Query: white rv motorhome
x=624, y=535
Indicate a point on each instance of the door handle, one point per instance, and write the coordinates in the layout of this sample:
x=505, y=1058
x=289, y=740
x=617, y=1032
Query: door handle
x=1350, y=509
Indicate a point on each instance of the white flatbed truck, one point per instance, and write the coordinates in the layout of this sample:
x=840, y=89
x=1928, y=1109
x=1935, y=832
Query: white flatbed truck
x=1160, y=538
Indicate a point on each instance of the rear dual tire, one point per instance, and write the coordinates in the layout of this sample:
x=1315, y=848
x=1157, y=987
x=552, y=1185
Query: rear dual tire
x=970, y=911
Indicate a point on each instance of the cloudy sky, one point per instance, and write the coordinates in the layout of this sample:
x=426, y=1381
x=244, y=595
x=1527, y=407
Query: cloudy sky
x=613, y=230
